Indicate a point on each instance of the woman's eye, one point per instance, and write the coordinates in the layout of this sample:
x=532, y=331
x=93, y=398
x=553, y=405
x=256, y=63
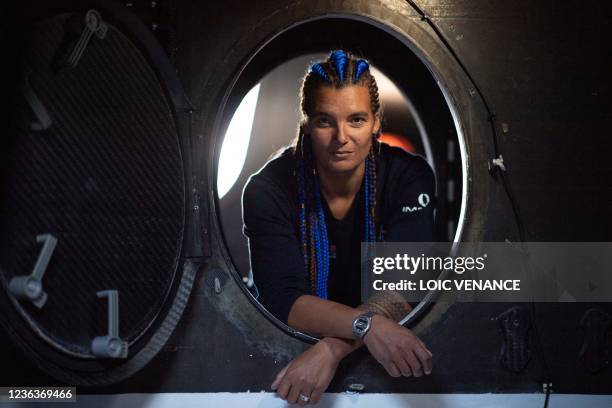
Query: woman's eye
x=323, y=122
x=358, y=121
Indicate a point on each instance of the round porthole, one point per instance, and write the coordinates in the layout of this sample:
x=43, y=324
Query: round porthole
x=441, y=108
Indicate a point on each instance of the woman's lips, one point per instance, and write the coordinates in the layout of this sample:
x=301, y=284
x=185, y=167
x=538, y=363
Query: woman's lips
x=341, y=154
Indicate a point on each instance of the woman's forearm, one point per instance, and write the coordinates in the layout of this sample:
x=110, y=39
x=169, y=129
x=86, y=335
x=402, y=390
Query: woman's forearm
x=342, y=347
x=390, y=304
x=323, y=318
x=318, y=316
x=326, y=318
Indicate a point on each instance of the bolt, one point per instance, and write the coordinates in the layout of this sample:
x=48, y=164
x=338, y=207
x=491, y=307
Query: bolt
x=217, y=285
x=353, y=388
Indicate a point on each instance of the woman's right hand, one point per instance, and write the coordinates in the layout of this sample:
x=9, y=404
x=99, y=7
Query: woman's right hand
x=397, y=348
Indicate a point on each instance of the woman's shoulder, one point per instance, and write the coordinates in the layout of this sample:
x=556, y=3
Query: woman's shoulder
x=275, y=175
x=268, y=202
x=401, y=163
x=408, y=183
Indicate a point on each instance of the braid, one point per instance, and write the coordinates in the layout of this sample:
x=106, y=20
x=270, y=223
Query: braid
x=339, y=60
x=373, y=89
x=340, y=69
x=370, y=199
x=299, y=173
x=322, y=248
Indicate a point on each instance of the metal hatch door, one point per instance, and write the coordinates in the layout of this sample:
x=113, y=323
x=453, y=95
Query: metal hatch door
x=96, y=261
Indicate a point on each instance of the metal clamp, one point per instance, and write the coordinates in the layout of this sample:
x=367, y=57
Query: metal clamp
x=515, y=324
x=30, y=287
x=497, y=162
x=93, y=25
x=110, y=346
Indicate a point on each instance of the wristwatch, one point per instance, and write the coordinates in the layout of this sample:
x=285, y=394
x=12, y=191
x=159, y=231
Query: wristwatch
x=362, y=324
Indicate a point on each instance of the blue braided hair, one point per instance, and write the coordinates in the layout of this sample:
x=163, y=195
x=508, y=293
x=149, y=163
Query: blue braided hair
x=360, y=68
x=339, y=59
x=318, y=69
x=338, y=70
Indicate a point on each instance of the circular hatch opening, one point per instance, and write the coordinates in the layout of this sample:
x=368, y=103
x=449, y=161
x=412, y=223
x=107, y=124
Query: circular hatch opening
x=420, y=116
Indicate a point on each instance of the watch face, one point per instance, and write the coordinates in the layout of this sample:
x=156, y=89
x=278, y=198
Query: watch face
x=361, y=324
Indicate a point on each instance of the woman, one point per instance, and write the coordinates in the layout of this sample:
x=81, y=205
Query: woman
x=306, y=212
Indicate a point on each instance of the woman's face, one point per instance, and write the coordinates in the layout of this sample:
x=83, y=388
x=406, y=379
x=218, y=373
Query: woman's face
x=341, y=127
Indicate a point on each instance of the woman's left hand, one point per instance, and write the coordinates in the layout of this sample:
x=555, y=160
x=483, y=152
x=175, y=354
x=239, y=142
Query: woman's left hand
x=306, y=377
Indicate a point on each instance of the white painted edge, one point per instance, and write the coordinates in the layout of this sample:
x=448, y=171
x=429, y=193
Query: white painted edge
x=336, y=400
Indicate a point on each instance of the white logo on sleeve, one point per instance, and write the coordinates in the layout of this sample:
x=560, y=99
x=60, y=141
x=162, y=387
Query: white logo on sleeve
x=423, y=201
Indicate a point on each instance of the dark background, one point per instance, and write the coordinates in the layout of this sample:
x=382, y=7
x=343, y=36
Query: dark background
x=543, y=68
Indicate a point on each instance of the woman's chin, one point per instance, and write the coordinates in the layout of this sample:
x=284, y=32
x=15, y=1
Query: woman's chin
x=341, y=166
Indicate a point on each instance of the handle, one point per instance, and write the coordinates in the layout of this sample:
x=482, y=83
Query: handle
x=110, y=346
x=30, y=286
x=93, y=25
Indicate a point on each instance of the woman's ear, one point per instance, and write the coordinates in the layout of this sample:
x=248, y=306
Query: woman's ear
x=377, y=126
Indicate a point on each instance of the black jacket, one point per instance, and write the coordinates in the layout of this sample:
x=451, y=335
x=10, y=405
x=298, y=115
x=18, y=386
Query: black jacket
x=405, y=204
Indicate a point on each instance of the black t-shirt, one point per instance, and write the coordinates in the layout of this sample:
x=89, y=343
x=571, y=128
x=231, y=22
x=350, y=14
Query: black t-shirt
x=405, y=197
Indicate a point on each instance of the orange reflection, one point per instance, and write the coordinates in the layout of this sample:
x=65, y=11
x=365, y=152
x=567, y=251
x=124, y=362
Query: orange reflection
x=397, y=140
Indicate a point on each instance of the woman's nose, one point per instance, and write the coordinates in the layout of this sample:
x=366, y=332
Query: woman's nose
x=341, y=134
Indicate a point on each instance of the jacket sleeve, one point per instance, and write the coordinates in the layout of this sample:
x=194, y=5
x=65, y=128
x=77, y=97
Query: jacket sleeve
x=274, y=247
x=412, y=201
x=412, y=204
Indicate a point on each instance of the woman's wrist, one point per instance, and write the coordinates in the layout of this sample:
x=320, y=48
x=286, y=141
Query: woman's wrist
x=340, y=348
x=374, y=323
